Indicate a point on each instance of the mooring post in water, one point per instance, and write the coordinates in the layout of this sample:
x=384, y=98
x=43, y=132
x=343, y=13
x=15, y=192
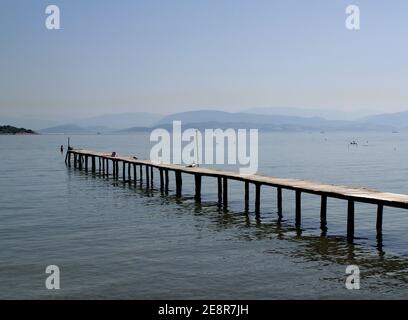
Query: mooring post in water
x=219, y=181
x=350, y=221
x=298, y=208
x=246, y=196
x=166, y=177
x=380, y=209
x=323, y=214
x=225, y=193
x=161, y=180
x=197, y=178
x=257, y=198
x=279, y=203
x=179, y=183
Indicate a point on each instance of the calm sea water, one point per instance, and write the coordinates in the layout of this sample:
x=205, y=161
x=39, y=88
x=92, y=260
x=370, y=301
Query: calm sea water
x=112, y=240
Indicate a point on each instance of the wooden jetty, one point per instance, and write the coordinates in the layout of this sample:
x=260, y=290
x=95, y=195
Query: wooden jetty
x=82, y=158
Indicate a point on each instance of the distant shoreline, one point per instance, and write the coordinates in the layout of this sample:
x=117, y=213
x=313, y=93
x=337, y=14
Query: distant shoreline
x=10, y=130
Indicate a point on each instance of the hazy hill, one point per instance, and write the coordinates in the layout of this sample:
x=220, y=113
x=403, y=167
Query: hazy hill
x=121, y=120
x=66, y=129
x=398, y=120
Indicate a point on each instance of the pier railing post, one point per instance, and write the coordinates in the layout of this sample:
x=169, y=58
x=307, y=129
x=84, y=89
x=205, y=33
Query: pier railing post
x=298, y=208
x=350, y=221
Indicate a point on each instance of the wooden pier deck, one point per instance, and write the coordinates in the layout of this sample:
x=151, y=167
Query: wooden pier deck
x=351, y=194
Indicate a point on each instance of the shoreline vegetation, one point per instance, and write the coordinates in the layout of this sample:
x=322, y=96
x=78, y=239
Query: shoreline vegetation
x=10, y=130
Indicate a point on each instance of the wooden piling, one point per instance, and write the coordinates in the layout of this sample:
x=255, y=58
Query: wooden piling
x=279, y=203
x=246, y=197
x=219, y=180
x=257, y=198
x=161, y=180
x=197, y=178
x=134, y=174
x=298, y=209
x=124, y=171
x=225, y=193
x=323, y=213
x=129, y=173
x=86, y=163
x=147, y=176
x=178, y=183
x=93, y=164
x=380, y=209
x=166, y=177
x=350, y=221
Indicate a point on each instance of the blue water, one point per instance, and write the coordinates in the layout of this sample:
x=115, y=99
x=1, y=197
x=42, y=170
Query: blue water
x=114, y=240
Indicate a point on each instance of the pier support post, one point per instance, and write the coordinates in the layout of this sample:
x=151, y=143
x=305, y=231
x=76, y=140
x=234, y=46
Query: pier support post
x=219, y=181
x=129, y=172
x=151, y=177
x=124, y=171
x=107, y=168
x=246, y=196
x=350, y=221
x=279, y=202
x=80, y=162
x=99, y=165
x=141, y=173
x=178, y=183
x=380, y=209
x=298, y=209
x=323, y=214
x=103, y=167
x=197, y=178
x=134, y=174
x=161, y=180
x=69, y=159
x=86, y=163
x=257, y=198
x=166, y=178
x=117, y=169
x=147, y=176
x=225, y=193
x=93, y=164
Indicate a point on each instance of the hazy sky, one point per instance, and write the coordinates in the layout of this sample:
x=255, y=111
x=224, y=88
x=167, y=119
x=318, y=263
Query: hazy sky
x=176, y=55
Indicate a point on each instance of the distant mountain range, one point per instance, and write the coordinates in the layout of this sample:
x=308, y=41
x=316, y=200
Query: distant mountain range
x=143, y=121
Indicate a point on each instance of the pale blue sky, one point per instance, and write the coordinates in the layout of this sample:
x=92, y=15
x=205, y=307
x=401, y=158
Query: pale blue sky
x=176, y=55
